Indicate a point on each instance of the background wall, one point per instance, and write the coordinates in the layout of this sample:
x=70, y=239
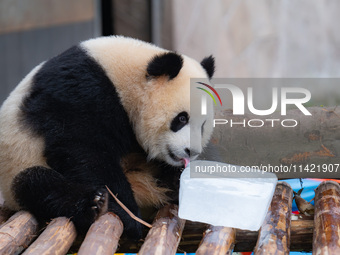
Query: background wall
x=35, y=30
x=263, y=38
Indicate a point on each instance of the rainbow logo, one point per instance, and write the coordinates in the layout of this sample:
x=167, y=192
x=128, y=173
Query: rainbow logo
x=209, y=93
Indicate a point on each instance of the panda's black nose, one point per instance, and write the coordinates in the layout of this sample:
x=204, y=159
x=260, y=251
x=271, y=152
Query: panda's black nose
x=191, y=153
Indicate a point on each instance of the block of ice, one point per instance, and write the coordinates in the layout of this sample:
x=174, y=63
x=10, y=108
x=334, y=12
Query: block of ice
x=240, y=200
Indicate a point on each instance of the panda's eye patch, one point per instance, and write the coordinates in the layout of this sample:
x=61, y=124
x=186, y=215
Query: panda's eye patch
x=179, y=121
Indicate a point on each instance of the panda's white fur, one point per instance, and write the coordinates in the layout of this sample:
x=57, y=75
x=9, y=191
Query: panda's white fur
x=19, y=148
x=149, y=103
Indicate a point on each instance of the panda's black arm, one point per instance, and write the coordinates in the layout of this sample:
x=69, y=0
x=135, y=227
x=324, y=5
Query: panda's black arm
x=94, y=166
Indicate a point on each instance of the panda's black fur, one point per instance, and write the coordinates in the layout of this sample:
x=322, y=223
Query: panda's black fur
x=75, y=108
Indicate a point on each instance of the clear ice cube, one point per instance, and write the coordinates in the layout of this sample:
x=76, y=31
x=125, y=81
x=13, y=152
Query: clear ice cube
x=237, y=200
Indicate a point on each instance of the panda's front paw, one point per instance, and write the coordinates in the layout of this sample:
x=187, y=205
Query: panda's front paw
x=91, y=204
x=100, y=203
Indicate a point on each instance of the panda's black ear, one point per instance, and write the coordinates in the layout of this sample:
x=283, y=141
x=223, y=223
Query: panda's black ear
x=208, y=64
x=168, y=63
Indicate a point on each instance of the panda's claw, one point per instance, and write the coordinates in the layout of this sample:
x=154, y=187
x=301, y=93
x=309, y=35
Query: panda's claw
x=100, y=203
x=97, y=198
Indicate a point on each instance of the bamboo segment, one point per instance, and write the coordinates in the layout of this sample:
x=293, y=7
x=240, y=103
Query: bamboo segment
x=165, y=234
x=301, y=236
x=103, y=236
x=217, y=241
x=301, y=233
x=55, y=240
x=326, y=238
x=17, y=233
x=274, y=236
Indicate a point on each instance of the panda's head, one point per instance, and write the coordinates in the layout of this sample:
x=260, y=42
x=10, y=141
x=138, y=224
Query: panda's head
x=167, y=128
x=154, y=88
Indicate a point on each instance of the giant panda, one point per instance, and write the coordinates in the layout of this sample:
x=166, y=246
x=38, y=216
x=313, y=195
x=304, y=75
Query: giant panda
x=68, y=128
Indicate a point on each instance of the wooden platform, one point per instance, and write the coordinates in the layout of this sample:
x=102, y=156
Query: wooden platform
x=280, y=233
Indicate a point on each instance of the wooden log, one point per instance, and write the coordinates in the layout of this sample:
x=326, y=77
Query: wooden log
x=217, y=241
x=301, y=237
x=56, y=239
x=103, y=236
x=326, y=239
x=245, y=240
x=165, y=234
x=17, y=233
x=274, y=235
x=301, y=233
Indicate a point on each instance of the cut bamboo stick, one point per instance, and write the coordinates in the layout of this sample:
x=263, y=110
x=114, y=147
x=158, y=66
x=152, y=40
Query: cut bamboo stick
x=165, y=234
x=301, y=236
x=56, y=239
x=274, y=236
x=103, y=236
x=17, y=233
x=217, y=241
x=326, y=238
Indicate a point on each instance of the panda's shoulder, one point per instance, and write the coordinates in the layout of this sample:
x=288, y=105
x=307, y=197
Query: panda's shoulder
x=72, y=63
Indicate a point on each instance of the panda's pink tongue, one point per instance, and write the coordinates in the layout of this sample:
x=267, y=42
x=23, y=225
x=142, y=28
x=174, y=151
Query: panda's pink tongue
x=186, y=161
